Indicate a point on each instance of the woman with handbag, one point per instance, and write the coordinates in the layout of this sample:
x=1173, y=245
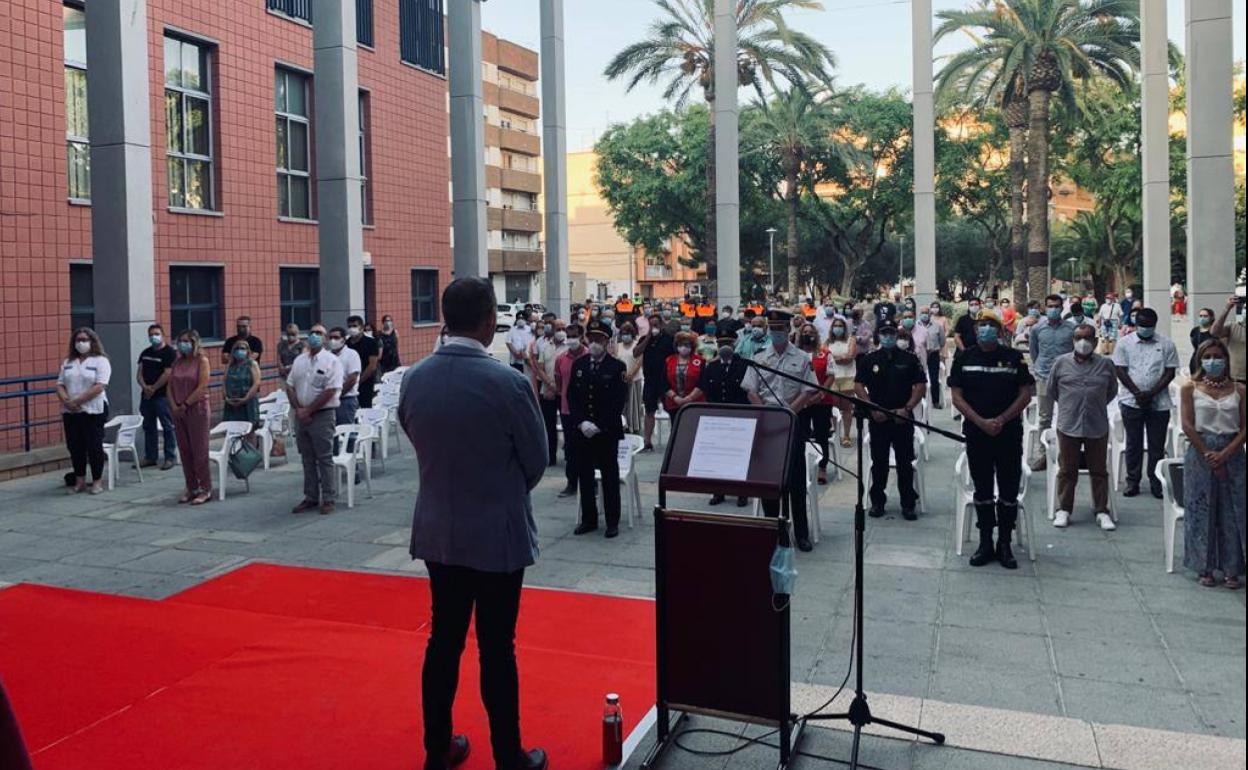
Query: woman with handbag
x=188, y=398
x=242, y=389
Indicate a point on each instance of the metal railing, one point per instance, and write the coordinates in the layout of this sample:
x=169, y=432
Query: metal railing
x=30, y=388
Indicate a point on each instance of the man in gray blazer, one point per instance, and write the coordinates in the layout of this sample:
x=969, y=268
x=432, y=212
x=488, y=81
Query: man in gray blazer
x=481, y=447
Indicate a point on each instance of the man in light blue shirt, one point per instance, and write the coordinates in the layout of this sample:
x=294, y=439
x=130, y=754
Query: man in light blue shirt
x=1049, y=339
x=1146, y=362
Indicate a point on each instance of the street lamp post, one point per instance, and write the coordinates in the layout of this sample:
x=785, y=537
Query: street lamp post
x=1071, y=261
x=771, y=266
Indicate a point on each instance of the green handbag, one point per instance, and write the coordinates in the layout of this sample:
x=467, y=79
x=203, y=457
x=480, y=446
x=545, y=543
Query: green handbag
x=244, y=459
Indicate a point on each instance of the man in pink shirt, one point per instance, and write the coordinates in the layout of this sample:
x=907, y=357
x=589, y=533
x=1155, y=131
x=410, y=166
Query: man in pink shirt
x=563, y=375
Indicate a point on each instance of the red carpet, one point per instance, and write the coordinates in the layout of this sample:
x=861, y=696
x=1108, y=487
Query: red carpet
x=274, y=667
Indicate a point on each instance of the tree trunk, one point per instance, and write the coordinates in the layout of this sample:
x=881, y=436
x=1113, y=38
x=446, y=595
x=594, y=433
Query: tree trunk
x=709, y=242
x=1038, y=195
x=847, y=278
x=1018, y=229
x=792, y=197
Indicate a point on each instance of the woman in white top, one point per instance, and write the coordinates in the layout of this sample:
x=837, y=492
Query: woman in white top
x=1213, y=413
x=80, y=386
x=843, y=350
x=626, y=351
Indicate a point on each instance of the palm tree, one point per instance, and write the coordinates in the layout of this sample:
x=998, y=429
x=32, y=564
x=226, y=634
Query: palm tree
x=1048, y=46
x=680, y=49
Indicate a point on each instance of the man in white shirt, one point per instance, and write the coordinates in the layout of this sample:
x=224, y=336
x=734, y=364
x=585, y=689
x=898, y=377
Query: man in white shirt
x=546, y=352
x=1146, y=362
x=313, y=388
x=352, y=367
x=823, y=321
x=518, y=341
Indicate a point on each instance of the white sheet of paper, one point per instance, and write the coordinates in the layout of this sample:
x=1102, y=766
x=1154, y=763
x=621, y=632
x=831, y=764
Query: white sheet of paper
x=722, y=448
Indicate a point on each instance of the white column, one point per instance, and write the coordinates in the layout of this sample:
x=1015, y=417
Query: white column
x=468, y=201
x=340, y=230
x=1210, y=172
x=555, y=158
x=727, y=158
x=123, y=253
x=924, y=154
x=1156, y=159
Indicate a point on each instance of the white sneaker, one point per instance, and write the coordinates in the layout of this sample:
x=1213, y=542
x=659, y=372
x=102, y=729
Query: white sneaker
x=1061, y=519
x=1106, y=521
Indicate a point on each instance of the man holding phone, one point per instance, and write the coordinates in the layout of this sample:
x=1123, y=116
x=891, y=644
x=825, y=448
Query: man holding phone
x=1233, y=335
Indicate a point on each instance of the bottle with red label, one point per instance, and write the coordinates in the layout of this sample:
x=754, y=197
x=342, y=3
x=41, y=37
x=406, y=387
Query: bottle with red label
x=612, y=731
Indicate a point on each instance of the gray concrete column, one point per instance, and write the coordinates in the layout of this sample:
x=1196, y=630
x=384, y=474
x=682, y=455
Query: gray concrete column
x=727, y=157
x=123, y=254
x=1210, y=171
x=924, y=153
x=336, y=87
x=555, y=159
x=1155, y=130
x=468, y=200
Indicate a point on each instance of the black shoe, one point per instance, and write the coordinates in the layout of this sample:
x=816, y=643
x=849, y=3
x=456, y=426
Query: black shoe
x=985, y=554
x=909, y=515
x=305, y=505
x=147, y=464
x=1157, y=493
x=742, y=502
x=612, y=532
x=804, y=545
x=1005, y=554
x=876, y=511
x=533, y=759
x=454, y=757
x=584, y=529
x=167, y=464
x=716, y=500
x=1132, y=491
x=567, y=492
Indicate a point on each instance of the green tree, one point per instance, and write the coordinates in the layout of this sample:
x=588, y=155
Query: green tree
x=1050, y=46
x=679, y=50
x=976, y=190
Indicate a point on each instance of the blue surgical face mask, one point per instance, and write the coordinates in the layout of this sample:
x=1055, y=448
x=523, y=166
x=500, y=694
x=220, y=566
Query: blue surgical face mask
x=1214, y=367
x=758, y=332
x=315, y=340
x=1145, y=332
x=710, y=329
x=925, y=317
x=907, y=323
x=154, y=339
x=888, y=342
x=1205, y=320
x=240, y=354
x=986, y=333
x=838, y=331
x=779, y=339
x=1053, y=313
x=185, y=348
x=783, y=571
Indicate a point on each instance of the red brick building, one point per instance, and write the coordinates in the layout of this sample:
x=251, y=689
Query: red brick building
x=230, y=236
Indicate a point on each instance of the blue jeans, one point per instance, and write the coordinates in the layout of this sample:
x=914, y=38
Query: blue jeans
x=157, y=409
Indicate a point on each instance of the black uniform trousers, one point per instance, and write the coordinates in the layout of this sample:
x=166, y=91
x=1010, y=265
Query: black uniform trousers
x=84, y=438
x=495, y=596
x=368, y=389
x=933, y=377
x=599, y=453
x=816, y=420
x=550, y=416
x=570, y=432
x=996, y=464
x=898, y=437
x=1136, y=423
x=796, y=487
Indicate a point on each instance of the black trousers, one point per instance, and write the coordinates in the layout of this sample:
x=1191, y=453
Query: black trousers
x=996, y=464
x=933, y=377
x=550, y=416
x=599, y=453
x=796, y=487
x=368, y=388
x=569, y=450
x=900, y=439
x=84, y=438
x=1137, y=422
x=816, y=420
x=495, y=596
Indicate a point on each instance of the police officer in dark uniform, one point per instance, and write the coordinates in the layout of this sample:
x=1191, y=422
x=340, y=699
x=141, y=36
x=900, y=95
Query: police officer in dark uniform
x=895, y=380
x=721, y=384
x=597, y=395
x=991, y=387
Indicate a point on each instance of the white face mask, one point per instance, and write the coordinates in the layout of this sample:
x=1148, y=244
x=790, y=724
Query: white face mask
x=83, y=347
x=353, y=331
x=903, y=344
x=596, y=349
x=336, y=344
x=574, y=344
x=1083, y=347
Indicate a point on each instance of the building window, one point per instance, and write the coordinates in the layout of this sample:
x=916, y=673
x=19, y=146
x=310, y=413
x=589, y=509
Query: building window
x=364, y=22
x=424, y=296
x=77, y=143
x=519, y=201
x=421, y=35
x=81, y=297
x=301, y=296
x=366, y=200
x=295, y=9
x=195, y=300
x=188, y=124
x=518, y=241
x=516, y=162
x=294, y=151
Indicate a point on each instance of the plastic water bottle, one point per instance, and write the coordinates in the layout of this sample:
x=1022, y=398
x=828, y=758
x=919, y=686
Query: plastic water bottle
x=612, y=731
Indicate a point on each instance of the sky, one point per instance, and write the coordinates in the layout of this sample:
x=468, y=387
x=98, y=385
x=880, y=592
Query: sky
x=870, y=38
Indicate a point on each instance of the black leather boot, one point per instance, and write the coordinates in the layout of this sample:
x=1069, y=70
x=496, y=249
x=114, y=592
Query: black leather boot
x=985, y=554
x=1005, y=554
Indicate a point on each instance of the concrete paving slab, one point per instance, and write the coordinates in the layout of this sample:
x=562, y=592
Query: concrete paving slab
x=1124, y=748
x=1110, y=661
x=1142, y=706
x=1015, y=733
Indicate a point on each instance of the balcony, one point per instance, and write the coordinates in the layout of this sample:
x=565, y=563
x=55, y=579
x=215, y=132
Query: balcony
x=513, y=219
x=522, y=181
x=521, y=104
x=516, y=260
x=519, y=142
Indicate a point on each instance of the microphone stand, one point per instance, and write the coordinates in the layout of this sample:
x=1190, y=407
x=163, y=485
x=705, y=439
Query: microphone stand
x=859, y=714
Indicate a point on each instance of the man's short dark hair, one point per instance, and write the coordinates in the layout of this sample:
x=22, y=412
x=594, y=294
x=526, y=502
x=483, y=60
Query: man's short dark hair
x=574, y=330
x=156, y=327
x=355, y=319
x=246, y=318
x=1054, y=298
x=1146, y=316
x=467, y=303
x=338, y=330
x=727, y=308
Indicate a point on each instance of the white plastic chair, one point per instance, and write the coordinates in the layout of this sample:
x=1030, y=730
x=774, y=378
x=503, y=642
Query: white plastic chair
x=278, y=396
x=274, y=423
x=1173, y=511
x=920, y=451
x=394, y=375
x=813, y=456
x=661, y=418
x=1031, y=428
x=1176, y=442
x=964, y=507
x=1048, y=439
x=389, y=401
x=127, y=426
x=923, y=413
x=379, y=418
x=233, y=430
x=628, y=447
x=946, y=393
x=350, y=454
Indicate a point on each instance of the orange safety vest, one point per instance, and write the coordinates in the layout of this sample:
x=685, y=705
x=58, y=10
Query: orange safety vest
x=624, y=306
x=758, y=309
x=808, y=310
x=706, y=311
x=686, y=309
